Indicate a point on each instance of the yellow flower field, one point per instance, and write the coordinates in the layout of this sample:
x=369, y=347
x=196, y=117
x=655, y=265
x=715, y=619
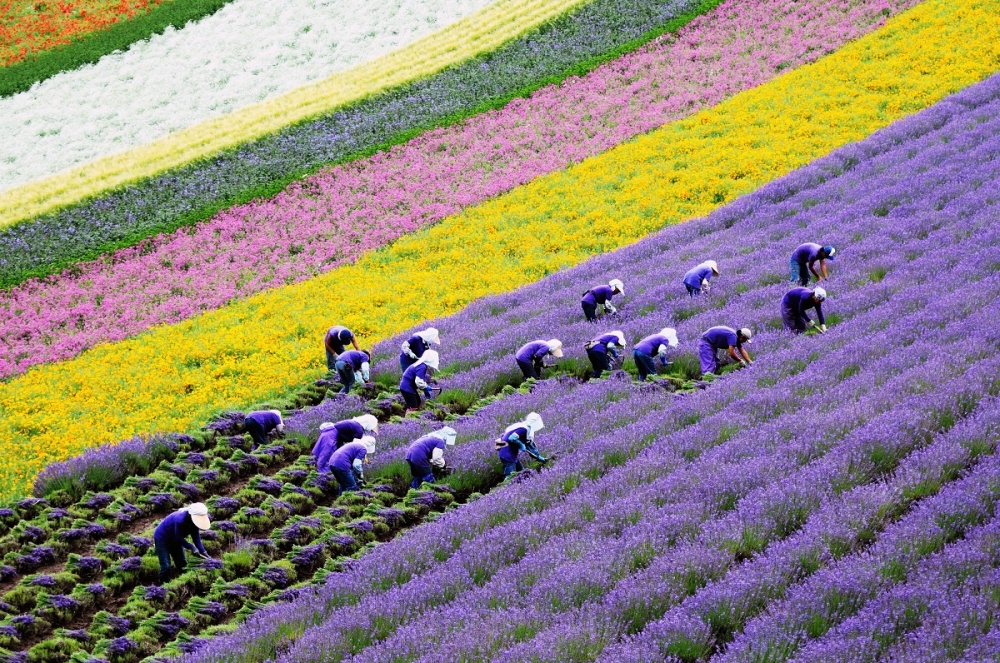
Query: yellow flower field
x=173, y=377
x=482, y=32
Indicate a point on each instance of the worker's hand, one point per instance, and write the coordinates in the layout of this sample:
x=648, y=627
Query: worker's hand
x=198, y=553
x=611, y=309
x=812, y=323
x=822, y=329
x=743, y=364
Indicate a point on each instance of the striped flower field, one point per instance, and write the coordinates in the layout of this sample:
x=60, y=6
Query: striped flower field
x=182, y=217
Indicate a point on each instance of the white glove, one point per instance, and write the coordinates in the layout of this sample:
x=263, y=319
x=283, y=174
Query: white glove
x=405, y=347
x=437, y=462
x=358, y=377
x=281, y=429
x=421, y=384
x=822, y=329
x=358, y=467
x=365, y=368
x=662, y=353
x=812, y=323
x=743, y=364
x=705, y=285
x=609, y=308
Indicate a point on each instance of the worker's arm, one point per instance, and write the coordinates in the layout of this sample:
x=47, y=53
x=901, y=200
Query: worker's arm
x=437, y=457
x=744, y=360
x=822, y=267
x=326, y=344
x=813, y=269
x=198, y=545
x=746, y=356
x=819, y=316
x=354, y=342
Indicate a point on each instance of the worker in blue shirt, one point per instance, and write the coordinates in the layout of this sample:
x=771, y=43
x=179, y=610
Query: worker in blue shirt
x=723, y=338
x=602, y=346
x=353, y=366
x=170, y=537
x=413, y=348
x=697, y=280
x=517, y=438
x=347, y=463
x=657, y=345
x=601, y=296
x=417, y=378
x=531, y=356
x=333, y=436
x=794, y=305
x=804, y=259
x=428, y=451
x=335, y=342
x=261, y=422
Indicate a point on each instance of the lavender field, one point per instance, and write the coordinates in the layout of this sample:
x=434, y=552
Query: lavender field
x=834, y=502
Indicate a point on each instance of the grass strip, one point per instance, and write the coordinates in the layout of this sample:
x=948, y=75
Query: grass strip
x=90, y=48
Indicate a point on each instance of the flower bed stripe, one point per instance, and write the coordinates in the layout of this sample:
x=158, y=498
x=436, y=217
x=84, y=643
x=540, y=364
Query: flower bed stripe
x=261, y=347
x=29, y=28
x=249, y=52
x=336, y=216
x=91, y=47
x=573, y=44
x=483, y=31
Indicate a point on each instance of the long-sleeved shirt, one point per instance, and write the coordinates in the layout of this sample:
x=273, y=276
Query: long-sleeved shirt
x=722, y=338
x=354, y=358
x=536, y=350
x=344, y=457
x=422, y=450
x=695, y=275
x=800, y=300
x=807, y=253
x=332, y=439
x=174, y=530
x=601, y=343
x=599, y=295
x=517, y=439
x=417, y=345
x=408, y=382
x=268, y=420
x=651, y=344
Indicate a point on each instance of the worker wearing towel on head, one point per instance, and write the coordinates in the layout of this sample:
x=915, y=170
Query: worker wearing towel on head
x=336, y=340
x=602, y=346
x=414, y=347
x=723, y=338
x=517, y=438
x=697, y=279
x=794, y=305
x=417, y=378
x=656, y=345
x=531, y=357
x=170, y=537
x=601, y=295
x=347, y=463
x=262, y=422
x=428, y=451
x=334, y=436
x=804, y=260
x=353, y=366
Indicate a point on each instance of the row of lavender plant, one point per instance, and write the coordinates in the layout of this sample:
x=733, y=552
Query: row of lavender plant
x=347, y=590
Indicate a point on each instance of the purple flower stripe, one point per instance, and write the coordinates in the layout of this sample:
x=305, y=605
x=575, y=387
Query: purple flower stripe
x=335, y=216
x=669, y=524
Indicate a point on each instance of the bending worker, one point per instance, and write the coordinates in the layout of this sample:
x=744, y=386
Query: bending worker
x=804, y=260
x=794, y=305
x=417, y=377
x=517, y=438
x=347, y=463
x=336, y=340
x=413, y=348
x=262, y=422
x=599, y=349
x=170, y=537
x=353, y=366
x=334, y=436
x=656, y=345
x=427, y=451
x=697, y=279
x=723, y=338
x=531, y=357
x=602, y=295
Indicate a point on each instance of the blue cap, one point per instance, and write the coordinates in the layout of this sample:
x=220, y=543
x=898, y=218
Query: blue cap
x=829, y=251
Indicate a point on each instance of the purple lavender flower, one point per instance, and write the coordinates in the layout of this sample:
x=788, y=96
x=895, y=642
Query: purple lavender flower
x=154, y=593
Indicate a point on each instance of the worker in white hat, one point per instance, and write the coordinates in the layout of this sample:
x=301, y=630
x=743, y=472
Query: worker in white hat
x=656, y=345
x=414, y=347
x=417, y=378
x=347, y=463
x=601, y=296
x=426, y=452
x=332, y=436
x=697, y=279
x=602, y=346
x=517, y=438
x=794, y=305
x=170, y=537
x=723, y=338
x=531, y=356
